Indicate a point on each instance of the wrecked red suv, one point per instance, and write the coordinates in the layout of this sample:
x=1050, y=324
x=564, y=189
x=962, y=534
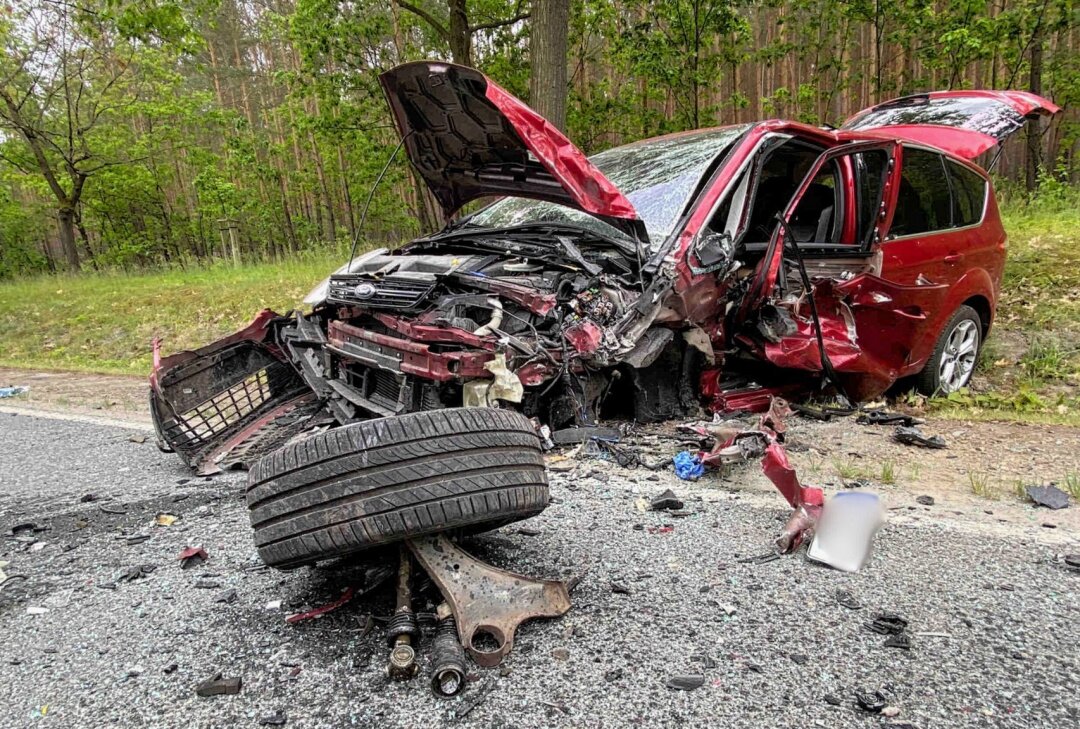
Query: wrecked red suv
x=708, y=269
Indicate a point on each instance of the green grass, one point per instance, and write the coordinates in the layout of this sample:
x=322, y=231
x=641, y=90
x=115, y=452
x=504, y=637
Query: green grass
x=1072, y=484
x=105, y=323
x=982, y=487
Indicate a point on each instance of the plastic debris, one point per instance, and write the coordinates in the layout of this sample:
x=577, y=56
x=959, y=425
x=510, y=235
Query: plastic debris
x=900, y=640
x=688, y=466
x=887, y=624
x=686, y=683
x=871, y=701
x=883, y=417
x=218, y=686
x=192, y=557
x=913, y=436
x=667, y=501
x=278, y=718
x=165, y=520
x=136, y=573
x=13, y=391
x=1049, y=496
x=36, y=610
x=846, y=599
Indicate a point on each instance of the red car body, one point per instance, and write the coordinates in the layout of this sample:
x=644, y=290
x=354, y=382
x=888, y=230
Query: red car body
x=771, y=258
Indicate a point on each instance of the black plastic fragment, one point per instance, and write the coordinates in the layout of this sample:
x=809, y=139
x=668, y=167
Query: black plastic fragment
x=899, y=640
x=887, y=624
x=913, y=436
x=1049, y=496
x=686, y=683
x=883, y=417
x=872, y=701
x=667, y=501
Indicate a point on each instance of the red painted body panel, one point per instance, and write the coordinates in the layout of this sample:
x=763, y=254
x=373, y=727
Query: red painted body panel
x=415, y=358
x=593, y=192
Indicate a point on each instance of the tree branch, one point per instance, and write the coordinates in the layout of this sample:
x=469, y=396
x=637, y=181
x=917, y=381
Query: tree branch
x=426, y=16
x=500, y=23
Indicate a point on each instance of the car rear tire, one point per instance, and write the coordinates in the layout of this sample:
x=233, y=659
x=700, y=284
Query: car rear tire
x=381, y=481
x=952, y=362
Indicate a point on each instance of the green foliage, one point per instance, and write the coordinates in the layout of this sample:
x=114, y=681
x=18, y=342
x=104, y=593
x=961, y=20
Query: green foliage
x=268, y=117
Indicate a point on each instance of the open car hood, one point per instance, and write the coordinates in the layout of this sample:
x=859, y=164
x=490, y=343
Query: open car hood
x=965, y=123
x=469, y=138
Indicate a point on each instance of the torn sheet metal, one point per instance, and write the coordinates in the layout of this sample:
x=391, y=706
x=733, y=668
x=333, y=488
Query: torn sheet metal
x=765, y=442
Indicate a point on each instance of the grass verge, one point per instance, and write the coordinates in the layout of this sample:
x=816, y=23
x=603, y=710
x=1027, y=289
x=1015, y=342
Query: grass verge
x=105, y=323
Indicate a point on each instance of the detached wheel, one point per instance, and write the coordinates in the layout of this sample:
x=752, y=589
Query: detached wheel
x=953, y=361
x=382, y=481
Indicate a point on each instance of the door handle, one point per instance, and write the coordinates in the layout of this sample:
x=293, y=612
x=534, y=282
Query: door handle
x=954, y=258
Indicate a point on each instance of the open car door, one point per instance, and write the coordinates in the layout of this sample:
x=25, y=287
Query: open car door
x=868, y=325
x=964, y=123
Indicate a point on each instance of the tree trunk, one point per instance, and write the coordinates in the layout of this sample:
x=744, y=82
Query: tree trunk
x=460, y=36
x=547, y=49
x=1034, y=130
x=65, y=219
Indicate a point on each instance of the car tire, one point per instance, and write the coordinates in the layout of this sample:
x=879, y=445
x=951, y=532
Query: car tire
x=964, y=324
x=381, y=481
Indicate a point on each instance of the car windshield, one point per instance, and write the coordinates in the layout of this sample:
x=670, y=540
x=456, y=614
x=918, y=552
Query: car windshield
x=657, y=175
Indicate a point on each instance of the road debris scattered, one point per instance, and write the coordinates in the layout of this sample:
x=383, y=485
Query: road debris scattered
x=1049, y=496
x=164, y=519
x=219, y=686
x=13, y=391
x=870, y=701
x=846, y=599
x=278, y=718
x=914, y=436
x=925, y=500
x=137, y=572
x=688, y=682
x=667, y=501
x=192, y=557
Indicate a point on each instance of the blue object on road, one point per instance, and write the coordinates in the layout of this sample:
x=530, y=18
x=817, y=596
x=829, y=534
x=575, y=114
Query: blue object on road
x=688, y=466
x=13, y=391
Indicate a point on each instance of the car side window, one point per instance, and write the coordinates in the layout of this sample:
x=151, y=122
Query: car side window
x=969, y=194
x=923, y=202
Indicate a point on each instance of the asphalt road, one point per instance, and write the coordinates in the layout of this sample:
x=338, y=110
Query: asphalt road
x=995, y=623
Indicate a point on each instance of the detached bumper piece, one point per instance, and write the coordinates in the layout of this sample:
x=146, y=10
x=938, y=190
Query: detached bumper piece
x=227, y=404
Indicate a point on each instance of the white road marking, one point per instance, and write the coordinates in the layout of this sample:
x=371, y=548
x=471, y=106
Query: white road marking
x=79, y=418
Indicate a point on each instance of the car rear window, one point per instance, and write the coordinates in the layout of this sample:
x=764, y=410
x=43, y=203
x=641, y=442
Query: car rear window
x=969, y=194
x=923, y=202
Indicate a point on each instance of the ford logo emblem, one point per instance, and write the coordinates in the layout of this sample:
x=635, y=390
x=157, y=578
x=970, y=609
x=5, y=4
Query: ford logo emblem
x=365, y=291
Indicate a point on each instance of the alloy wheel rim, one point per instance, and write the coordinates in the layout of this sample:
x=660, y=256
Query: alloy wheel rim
x=958, y=358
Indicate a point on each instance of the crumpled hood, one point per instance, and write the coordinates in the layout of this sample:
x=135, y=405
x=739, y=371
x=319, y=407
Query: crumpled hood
x=469, y=138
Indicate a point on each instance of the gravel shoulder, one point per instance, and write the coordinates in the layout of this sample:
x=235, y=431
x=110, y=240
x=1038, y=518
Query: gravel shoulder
x=993, y=613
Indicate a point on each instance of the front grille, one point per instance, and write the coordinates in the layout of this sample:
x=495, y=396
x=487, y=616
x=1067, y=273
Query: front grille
x=234, y=404
x=387, y=293
x=384, y=386
x=207, y=399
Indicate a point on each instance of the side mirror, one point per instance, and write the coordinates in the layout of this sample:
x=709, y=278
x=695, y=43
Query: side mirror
x=714, y=250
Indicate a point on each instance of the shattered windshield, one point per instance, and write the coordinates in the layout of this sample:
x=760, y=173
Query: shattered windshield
x=657, y=175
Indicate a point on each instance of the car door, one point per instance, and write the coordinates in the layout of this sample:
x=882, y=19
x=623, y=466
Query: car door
x=869, y=323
